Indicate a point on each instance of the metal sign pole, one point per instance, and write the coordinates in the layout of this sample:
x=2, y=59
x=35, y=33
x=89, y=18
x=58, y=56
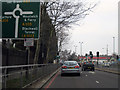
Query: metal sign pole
x=28, y=54
x=27, y=62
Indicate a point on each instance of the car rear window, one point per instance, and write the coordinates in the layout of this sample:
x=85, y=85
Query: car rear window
x=70, y=63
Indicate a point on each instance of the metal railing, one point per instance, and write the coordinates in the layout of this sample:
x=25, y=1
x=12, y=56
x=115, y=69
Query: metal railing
x=23, y=75
x=114, y=67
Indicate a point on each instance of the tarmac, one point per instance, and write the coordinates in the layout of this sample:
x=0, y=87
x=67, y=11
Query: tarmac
x=41, y=82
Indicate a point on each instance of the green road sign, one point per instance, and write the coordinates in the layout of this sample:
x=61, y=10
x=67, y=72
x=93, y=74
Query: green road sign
x=20, y=20
x=57, y=56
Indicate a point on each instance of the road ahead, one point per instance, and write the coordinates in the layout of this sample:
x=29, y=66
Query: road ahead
x=88, y=79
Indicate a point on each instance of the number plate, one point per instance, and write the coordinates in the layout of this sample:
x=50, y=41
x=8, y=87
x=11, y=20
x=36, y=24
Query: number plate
x=71, y=68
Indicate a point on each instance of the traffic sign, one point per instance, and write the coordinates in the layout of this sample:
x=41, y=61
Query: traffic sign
x=57, y=56
x=20, y=20
x=29, y=42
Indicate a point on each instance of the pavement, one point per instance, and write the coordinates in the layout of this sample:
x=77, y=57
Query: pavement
x=41, y=82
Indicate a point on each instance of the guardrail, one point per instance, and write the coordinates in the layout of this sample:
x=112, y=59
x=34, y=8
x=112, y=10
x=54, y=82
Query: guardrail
x=23, y=75
x=114, y=68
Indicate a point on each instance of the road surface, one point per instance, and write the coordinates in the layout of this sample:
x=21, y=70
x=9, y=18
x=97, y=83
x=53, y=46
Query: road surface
x=87, y=79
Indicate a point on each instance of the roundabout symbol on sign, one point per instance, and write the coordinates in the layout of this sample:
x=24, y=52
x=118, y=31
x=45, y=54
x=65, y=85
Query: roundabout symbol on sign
x=17, y=16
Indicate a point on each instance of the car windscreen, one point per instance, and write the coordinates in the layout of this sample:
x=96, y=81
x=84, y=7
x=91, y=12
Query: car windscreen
x=70, y=63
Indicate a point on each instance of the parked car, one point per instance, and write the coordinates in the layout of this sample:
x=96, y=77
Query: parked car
x=70, y=67
x=88, y=65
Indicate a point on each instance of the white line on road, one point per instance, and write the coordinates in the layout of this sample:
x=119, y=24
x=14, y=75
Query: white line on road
x=91, y=72
x=97, y=81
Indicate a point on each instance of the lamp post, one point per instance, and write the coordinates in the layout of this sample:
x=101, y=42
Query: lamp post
x=107, y=52
x=113, y=45
x=106, y=49
x=75, y=48
x=103, y=49
x=81, y=47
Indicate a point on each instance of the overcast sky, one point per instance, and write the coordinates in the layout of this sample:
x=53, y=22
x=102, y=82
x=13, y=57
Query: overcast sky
x=97, y=29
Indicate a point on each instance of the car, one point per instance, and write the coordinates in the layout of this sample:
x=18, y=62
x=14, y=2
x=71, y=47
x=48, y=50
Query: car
x=88, y=65
x=106, y=65
x=70, y=67
x=80, y=63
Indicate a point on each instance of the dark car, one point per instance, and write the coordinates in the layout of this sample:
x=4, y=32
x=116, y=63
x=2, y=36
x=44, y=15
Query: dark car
x=80, y=63
x=88, y=65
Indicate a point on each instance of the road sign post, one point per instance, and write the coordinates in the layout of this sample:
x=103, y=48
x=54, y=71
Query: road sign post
x=57, y=57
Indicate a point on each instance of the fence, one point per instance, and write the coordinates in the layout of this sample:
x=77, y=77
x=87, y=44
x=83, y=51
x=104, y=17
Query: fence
x=113, y=67
x=12, y=56
x=23, y=75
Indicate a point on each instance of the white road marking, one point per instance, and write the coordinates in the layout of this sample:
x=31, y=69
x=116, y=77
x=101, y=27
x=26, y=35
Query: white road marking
x=97, y=81
x=86, y=75
x=91, y=72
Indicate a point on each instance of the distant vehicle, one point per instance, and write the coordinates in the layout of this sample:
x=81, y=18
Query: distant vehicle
x=70, y=67
x=88, y=65
x=106, y=64
x=80, y=63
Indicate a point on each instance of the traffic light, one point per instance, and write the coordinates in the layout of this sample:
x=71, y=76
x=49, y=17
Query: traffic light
x=117, y=57
x=57, y=53
x=97, y=54
x=91, y=55
x=86, y=54
x=90, y=52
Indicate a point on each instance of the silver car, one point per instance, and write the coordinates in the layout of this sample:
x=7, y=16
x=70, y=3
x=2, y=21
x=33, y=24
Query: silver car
x=70, y=67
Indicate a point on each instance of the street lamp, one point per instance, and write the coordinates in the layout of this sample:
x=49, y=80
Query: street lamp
x=113, y=45
x=81, y=47
x=75, y=48
x=103, y=49
x=106, y=50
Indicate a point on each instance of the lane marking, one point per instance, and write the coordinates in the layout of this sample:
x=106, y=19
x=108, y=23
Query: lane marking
x=51, y=81
x=97, y=81
x=91, y=72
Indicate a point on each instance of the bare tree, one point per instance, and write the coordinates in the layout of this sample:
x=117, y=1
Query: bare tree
x=65, y=54
x=63, y=14
x=63, y=38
